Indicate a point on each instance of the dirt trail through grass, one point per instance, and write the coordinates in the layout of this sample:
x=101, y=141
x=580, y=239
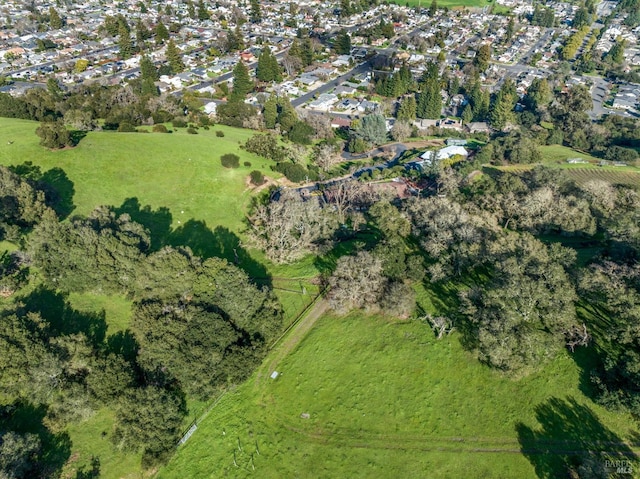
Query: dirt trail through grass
x=292, y=339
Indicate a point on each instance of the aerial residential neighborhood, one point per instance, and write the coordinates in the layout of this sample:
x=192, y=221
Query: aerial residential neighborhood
x=319, y=239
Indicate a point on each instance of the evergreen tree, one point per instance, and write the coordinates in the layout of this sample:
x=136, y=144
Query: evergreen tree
x=268, y=69
x=467, y=114
x=191, y=10
x=510, y=29
x=142, y=33
x=502, y=110
x=235, y=40
x=270, y=112
x=242, y=84
x=55, y=22
x=482, y=57
x=148, y=76
x=342, y=43
x=256, y=13
x=430, y=100
x=124, y=42
x=161, y=33
x=174, y=59
x=433, y=8
x=407, y=109
x=203, y=13
x=581, y=18
x=307, y=53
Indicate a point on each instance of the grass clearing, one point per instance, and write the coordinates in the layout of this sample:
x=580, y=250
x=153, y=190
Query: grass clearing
x=92, y=438
x=117, y=309
x=385, y=399
x=177, y=171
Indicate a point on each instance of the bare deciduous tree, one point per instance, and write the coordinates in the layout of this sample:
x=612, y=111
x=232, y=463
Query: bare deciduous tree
x=292, y=227
x=326, y=156
x=356, y=283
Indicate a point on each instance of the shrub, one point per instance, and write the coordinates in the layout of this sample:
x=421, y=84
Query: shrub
x=192, y=131
x=257, y=178
x=247, y=164
x=206, y=127
x=160, y=129
x=294, y=172
x=179, y=123
x=220, y=134
x=126, y=127
x=230, y=160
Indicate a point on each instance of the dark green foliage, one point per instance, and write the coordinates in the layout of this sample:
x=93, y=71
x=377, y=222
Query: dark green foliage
x=342, y=43
x=266, y=146
x=242, y=83
x=116, y=244
x=161, y=33
x=257, y=178
x=543, y=17
x=235, y=113
x=124, y=41
x=256, y=13
x=429, y=99
x=174, y=58
x=220, y=134
x=192, y=131
x=247, y=164
x=126, y=127
x=54, y=135
x=293, y=171
x=268, y=69
x=301, y=133
x=407, y=109
x=160, y=129
x=230, y=160
x=619, y=153
x=581, y=18
x=149, y=419
x=270, y=112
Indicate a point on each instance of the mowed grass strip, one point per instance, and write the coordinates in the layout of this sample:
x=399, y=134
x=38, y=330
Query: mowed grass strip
x=371, y=397
x=178, y=171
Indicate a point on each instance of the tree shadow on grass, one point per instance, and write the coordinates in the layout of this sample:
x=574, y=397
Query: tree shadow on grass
x=158, y=222
x=77, y=136
x=572, y=442
x=54, y=308
x=204, y=242
x=219, y=243
x=23, y=417
x=326, y=263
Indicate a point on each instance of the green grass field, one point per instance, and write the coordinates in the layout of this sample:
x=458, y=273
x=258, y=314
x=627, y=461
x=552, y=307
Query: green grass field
x=385, y=399
x=555, y=156
x=177, y=171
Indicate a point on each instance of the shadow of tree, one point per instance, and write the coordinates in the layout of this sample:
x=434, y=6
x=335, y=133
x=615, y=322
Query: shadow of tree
x=62, y=191
x=77, y=136
x=54, y=308
x=123, y=343
x=326, y=263
x=158, y=222
x=204, y=242
x=55, y=450
x=58, y=188
x=572, y=442
x=220, y=243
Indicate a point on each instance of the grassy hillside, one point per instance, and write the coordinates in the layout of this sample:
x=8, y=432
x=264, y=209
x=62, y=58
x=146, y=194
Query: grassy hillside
x=385, y=399
x=177, y=171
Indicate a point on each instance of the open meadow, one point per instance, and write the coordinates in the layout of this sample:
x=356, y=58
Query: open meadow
x=373, y=397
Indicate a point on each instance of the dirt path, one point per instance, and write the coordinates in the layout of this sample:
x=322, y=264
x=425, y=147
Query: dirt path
x=292, y=339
